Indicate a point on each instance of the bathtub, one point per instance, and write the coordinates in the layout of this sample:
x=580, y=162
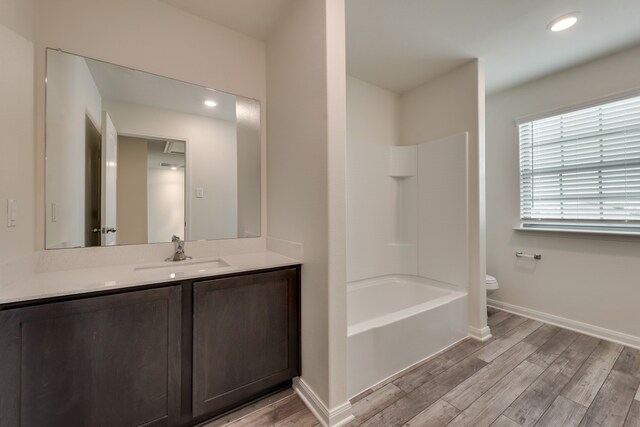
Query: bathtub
x=397, y=321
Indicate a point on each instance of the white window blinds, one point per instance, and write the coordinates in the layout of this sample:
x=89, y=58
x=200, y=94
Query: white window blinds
x=582, y=168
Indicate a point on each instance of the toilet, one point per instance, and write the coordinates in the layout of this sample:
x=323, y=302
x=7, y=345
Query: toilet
x=492, y=284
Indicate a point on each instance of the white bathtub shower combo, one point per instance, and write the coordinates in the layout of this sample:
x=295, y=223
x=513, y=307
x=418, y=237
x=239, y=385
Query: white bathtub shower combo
x=397, y=321
x=406, y=242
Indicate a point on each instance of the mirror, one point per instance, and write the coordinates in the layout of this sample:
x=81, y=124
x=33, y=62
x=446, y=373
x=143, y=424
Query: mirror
x=134, y=158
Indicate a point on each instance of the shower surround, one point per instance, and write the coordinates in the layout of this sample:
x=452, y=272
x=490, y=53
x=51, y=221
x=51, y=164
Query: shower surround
x=407, y=246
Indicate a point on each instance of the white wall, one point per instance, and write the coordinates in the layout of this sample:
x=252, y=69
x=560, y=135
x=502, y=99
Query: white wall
x=211, y=163
x=307, y=137
x=442, y=195
x=399, y=224
x=249, y=167
x=16, y=143
x=72, y=95
x=450, y=105
x=134, y=34
x=381, y=214
x=414, y=224
x=306, y=178
x=17, y=119
x=165, y=201
x=373, y=113
x=381, y=228
x=589, y=279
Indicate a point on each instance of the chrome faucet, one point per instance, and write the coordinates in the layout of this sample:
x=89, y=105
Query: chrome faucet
x=179, y=254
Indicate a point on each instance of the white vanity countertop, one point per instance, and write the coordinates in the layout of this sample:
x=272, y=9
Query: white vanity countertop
x=72, y=282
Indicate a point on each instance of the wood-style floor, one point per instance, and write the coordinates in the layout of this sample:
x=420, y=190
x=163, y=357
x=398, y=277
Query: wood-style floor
x=528, y=374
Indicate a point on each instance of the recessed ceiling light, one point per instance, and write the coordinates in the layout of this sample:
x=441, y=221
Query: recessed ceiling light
x=564, y=22
x=210, y=103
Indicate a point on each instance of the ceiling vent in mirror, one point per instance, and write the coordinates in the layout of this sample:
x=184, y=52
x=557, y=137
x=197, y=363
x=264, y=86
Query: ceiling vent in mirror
x=171, y=165
x=174, y=147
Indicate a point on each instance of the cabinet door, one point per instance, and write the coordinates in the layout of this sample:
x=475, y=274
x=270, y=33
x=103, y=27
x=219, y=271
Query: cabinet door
x=103, y=361
x=245, y=338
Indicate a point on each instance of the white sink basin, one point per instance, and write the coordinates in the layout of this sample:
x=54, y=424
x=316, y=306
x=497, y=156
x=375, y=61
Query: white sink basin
x=180, y=268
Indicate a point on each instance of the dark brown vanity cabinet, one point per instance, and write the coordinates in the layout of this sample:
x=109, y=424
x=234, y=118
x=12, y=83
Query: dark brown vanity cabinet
x=106, y=361
x=169, y=355
x=245, y=332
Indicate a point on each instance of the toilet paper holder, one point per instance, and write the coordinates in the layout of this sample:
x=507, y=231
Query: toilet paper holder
x=520, y=254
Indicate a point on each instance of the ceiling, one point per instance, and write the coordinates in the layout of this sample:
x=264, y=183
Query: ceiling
x=401, y=44
x=130, y=86
x=255, y=18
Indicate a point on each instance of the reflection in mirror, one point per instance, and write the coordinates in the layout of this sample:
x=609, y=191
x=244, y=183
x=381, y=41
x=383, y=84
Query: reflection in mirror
x=136, y=158
x=150, y=190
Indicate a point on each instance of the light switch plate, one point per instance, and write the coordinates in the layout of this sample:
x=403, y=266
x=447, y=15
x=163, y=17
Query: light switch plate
x=199, y=192
x=12, y=213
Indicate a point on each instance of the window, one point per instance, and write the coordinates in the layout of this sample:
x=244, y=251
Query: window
x=581, y=169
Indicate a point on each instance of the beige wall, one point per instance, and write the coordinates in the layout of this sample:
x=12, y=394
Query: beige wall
x=335, y=27
x=131, y=191
x=19, y=17
x=16, y=121
x=450, y=105
x=589, y=279
x=154, y=37
x=305, y=121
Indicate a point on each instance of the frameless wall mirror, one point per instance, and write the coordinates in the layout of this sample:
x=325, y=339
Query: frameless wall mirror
x=134, y=158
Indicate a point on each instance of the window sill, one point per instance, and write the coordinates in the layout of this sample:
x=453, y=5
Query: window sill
x=578, y=231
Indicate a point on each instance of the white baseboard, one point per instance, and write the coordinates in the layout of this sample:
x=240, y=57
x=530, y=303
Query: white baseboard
x=573, y=325
x=482, y=335
x=328, y=418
